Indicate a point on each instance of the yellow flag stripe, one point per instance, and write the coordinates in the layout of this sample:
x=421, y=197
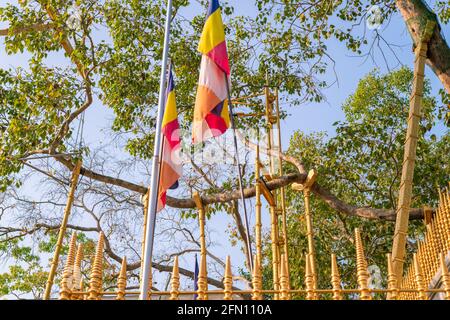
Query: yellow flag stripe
x=213, y=33
x=170, y=113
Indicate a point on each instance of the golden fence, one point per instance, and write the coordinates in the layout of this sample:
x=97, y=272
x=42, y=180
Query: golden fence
x=429, y=262
x=428, y=265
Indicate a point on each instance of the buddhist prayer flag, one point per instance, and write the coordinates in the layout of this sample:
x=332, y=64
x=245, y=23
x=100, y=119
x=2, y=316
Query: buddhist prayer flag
x=171, y=168
x=211, y=116
x=196, y=278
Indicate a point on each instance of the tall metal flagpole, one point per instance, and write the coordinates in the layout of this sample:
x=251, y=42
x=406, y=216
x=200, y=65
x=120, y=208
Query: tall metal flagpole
x=249, y=244
x=151, y=217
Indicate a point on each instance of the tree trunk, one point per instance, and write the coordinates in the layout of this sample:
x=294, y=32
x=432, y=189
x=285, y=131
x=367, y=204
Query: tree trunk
x=416, y=14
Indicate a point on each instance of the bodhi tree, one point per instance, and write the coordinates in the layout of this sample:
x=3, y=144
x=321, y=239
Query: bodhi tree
x=111, y=52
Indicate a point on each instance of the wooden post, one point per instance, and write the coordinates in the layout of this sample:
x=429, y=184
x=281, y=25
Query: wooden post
x=335, y=279
x=257, y=281
x=392, y=280
x=361, y=267
x=445, y=277
x=122, y=280
x=409, y=157
x=67, y=277
x=228, y=281
x=175, y=282
x=203, y=272
x=419, y=279
x=95, y=281
x=62, y=229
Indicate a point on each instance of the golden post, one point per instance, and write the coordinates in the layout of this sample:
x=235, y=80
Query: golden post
x=258, y=223
x=392, y=280
x=203, y=272
x=67, y=277
x=445, y=276
x=284, y=281
x=62, y=229
x=282, y=190
x=309, y=279
x=228, y=281
x=257, y=281
x=77, y=281
x=306, y=188
x=335, y=279
x=361, y=267
x=95, y=281
x=419, y=279
x=175, y=282
x=122, y=280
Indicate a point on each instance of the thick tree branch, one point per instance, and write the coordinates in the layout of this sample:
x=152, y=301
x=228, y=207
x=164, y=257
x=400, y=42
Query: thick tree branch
x=416, y=13
x=34, y=27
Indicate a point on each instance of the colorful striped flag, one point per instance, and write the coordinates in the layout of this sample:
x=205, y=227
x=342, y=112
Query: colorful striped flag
x=211, y=116
x=171, y=168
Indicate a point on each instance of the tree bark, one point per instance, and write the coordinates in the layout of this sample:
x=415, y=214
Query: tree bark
x=416, y=14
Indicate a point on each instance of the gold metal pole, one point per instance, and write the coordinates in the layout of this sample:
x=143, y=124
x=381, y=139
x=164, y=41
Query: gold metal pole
x=419, y=279
x=445, y=276
x=361, y=267
x=257, y=281
x=77, y=281
x=67, y=277
x=95, y=281
x=175, y=282
x=306, y=188
x=228, y=281
x=122, y=280
x=203, y=273
x=392, y=280
x=282, y=203
x=412, y=134
x=62, y=229
x=284, y=280
x=335, y=279
x=275, y=251
x=309, y=278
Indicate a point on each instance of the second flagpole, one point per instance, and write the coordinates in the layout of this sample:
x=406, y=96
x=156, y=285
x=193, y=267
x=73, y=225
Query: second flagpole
x=151, y=217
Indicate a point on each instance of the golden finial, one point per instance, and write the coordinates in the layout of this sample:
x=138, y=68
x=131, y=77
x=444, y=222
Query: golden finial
x=122, y=280
x=445, y=276
x=228, y=281
x=95, y=282
x=202, y=280
x=419, y=279
x=361, y=267
x=257, y=281
x=77, y=272
x=175, y=282
x=392, y=280
x=335, y=279
x=67, y=277
x=284, y=281
x=309, y=280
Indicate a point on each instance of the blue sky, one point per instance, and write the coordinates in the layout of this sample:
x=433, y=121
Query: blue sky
x=309, y=117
